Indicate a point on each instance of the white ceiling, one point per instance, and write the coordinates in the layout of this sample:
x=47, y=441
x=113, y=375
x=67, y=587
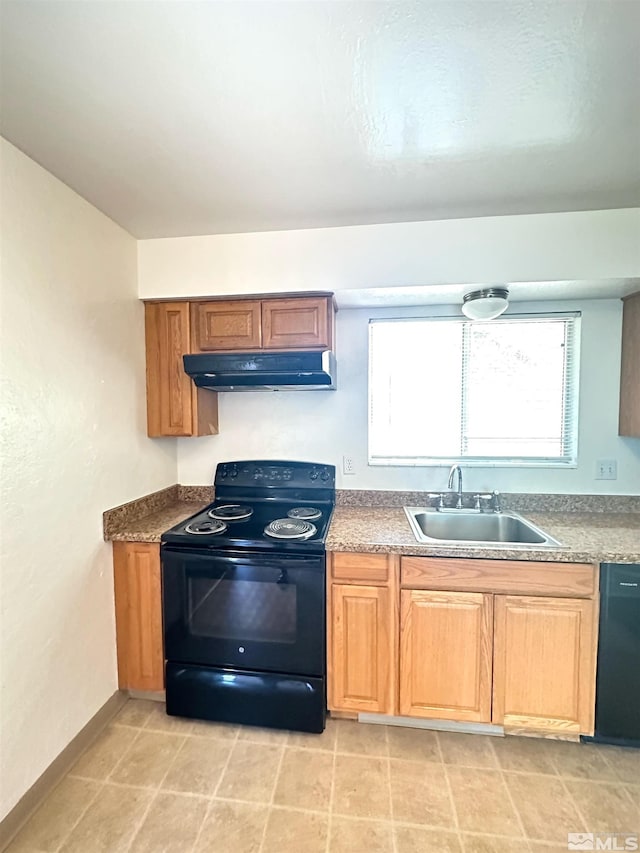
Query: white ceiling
x=181, y=118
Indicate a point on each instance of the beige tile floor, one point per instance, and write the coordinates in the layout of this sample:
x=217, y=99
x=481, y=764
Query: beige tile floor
x=153, y=783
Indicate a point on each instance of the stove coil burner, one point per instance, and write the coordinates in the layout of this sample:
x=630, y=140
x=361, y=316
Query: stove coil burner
x=309, y=513
x=231, y=512
x=290, y=528
x=206, y=527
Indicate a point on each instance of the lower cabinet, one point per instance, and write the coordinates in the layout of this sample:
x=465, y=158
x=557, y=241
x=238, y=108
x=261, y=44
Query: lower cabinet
x=445, y=653
x=525, y=661
x=544, y=663
x=138, y=604
x=362, y=632
x=362, y=648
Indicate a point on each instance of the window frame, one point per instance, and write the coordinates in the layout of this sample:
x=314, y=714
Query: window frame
x=572, y=368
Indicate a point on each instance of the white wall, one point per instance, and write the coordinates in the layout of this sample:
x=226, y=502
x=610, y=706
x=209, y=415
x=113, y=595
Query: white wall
x=597, y=244
x=73, y=445
x=323, y=425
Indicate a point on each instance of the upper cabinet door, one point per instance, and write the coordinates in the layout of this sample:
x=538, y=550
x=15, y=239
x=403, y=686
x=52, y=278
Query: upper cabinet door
x=629, y=423
x=226, y=325
x=175, y=407
x=169, y=389
x=300, y=323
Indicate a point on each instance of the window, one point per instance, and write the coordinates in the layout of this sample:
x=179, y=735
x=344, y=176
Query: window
x=501, y=392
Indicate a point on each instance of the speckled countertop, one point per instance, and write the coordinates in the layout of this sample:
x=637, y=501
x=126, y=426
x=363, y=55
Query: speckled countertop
x=586, y=536
x=147, y=518
x=591, y=537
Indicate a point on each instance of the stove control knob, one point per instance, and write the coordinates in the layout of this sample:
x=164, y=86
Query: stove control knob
x=234, y=472
x=224, y=472
x=314, y=474
x=325, y=475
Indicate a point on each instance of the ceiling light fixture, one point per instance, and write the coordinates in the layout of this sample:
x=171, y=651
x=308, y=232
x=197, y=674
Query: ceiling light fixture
x=485, y=304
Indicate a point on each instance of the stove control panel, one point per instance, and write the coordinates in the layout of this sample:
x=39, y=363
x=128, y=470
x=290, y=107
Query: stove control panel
x=266, y=473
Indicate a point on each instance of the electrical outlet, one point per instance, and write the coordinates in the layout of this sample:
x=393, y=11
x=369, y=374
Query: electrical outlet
x=348, y=465
x=606, y=469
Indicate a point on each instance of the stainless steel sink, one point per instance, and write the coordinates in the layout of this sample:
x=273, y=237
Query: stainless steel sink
x=455, y=526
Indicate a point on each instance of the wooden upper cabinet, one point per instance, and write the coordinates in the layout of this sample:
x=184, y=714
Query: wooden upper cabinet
x=300, y=323
x=445, y=655
x=629, y=422
x=175, y=407
x=232, y=325
x=544, y=664
x=138, y=602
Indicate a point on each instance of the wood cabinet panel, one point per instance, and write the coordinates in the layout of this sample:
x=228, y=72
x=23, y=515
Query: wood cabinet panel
x=501, y=576
x=445, y=655
x=362, y=568
x=544, y=664
x=629, y=421
x=300, y=323
x=227, y=325
x=138, y=603
x=362, y=659
x=175, y=407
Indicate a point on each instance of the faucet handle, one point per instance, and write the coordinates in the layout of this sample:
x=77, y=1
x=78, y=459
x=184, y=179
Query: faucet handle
x=437, y=496
x=495, y=497
x=481, y=497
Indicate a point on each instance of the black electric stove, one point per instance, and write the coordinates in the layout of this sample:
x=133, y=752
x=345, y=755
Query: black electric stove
x=264, y=506
x=244, y=598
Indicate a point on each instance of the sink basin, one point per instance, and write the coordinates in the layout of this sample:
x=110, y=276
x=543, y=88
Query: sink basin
x=456, y=526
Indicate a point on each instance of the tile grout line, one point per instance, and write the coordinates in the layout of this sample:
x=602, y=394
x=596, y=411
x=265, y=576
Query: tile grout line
x=273, y=796
x=215, y=791
x=331, y=792
x=394, y=842
x=516, y=810
x=574, y=803
x=525, y=834
x=155, y=796
x=122, y=757
x=454, y=808
x=75, y=823
x=101, y=782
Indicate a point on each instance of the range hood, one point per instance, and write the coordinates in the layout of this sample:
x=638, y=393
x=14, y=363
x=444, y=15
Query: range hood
x=263, y=371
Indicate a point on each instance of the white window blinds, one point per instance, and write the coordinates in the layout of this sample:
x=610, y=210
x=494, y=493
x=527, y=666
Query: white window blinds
x=502, y=392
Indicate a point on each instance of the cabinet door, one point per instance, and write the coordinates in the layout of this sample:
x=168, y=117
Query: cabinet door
x=174, y=405
x=361, y=665
x=227, y=325
x=544, y=664
x=136, y=569
x=629, y=422
x=303, y=322
x=445, y=655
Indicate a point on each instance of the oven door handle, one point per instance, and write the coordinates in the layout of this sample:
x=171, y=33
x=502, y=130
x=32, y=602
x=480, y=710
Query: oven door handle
x=233, y=560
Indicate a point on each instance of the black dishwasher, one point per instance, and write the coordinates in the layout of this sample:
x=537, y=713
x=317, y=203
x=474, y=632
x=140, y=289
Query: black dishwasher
x=618, y=676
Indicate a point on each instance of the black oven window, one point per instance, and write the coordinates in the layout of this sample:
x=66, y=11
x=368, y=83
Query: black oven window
x=243, y=610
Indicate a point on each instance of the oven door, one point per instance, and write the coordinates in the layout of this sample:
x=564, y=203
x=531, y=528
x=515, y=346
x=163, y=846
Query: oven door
x=247, y=610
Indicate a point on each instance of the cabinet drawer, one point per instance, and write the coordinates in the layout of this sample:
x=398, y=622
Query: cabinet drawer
x=361, y=568
x=521, y=577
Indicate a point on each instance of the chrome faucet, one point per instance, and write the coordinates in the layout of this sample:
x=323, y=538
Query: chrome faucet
x=452, y=474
